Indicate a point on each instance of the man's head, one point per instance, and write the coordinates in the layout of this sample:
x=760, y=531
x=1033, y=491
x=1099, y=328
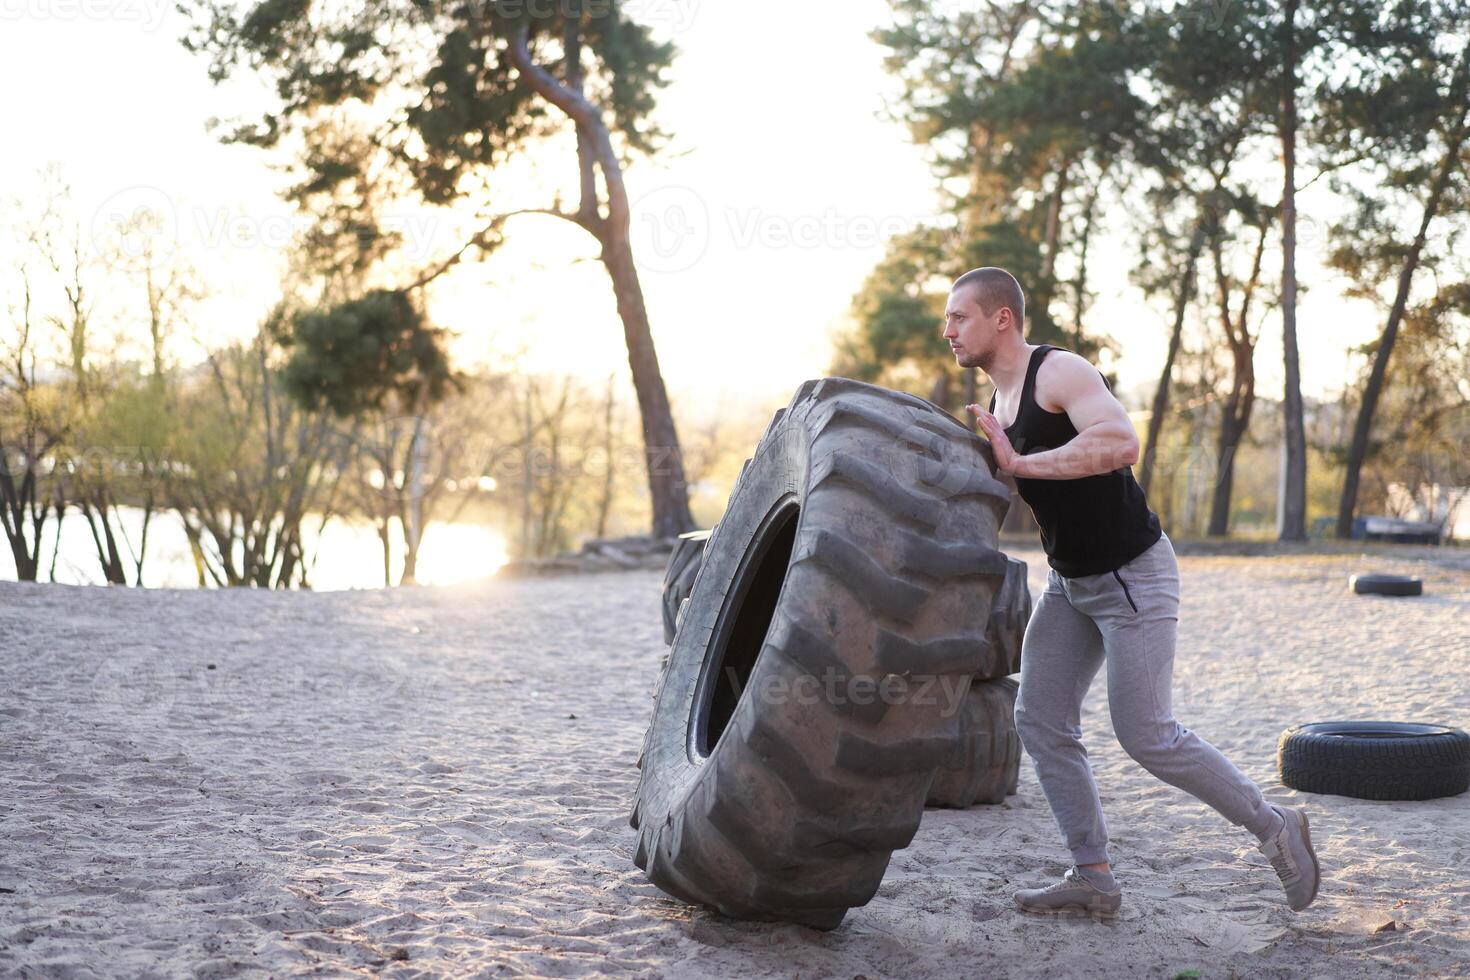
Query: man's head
x=985, y=312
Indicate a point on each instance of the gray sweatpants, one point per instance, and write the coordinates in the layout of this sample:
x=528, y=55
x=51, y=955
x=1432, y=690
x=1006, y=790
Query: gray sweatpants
x=1130, y=619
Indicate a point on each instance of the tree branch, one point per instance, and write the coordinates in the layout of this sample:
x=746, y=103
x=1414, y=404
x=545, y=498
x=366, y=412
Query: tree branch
x=481, y=239
x=584, y=113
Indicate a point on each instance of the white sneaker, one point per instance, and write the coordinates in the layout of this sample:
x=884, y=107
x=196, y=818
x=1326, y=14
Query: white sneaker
x=1290, y=853
x=1073, y=895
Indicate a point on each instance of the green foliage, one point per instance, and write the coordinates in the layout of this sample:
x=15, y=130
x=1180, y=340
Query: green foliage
x=446, y=97
x=1002, y=244
x=1072, y=96
x=133, y=418
x=1404, y=118
x=1039, y=115
x=355, y=356
x=1423, y=425
x=897, y=313
x=1025, y=108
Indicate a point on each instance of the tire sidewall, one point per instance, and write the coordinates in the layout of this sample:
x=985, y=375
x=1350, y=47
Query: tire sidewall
x=1354, y=730
x=775, y=479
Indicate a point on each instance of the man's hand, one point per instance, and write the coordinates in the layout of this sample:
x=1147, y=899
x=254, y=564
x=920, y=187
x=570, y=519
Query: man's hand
x=1005, y=454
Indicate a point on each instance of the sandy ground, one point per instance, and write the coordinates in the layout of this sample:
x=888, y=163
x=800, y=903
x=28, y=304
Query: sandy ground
x=433, y=782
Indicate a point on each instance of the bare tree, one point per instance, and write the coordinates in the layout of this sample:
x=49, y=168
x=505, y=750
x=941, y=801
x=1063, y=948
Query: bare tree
x=30, y=429
x=89, y=465
x=250, y=466
x=1235, y=414
x=1294, y=484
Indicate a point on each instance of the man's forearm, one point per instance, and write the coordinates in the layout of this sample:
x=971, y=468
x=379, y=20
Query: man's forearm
x=1100, y=449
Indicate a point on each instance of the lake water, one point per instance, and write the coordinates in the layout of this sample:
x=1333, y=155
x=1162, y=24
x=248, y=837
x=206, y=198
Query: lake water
x=347, y=555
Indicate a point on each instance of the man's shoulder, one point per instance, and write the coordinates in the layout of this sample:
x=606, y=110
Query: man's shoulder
x=1065, y=360
x=1063, y=372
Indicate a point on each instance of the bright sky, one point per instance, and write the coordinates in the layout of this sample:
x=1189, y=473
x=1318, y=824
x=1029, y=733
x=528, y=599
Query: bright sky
x=754, y=230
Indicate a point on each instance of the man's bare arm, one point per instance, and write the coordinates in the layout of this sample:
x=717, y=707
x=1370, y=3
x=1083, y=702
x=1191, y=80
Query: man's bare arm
x=1105, y=437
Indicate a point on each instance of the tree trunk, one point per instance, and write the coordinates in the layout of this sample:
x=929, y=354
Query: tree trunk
x=939, y=393
x=528, y=478
x=26, y=567
x=1219, y=525
x=1358, y=452
x=1079, y=282
x=106, y=544
x=666, y=483
x=1045, y=291
x=385, y=537
x=1234, y=422
x=17, y=504
x=1051, y=233
x=414, y=535
x=142, y=556
x=604, y=500
x=667, y=486
x=1236, y=414
x=410, y=568
x=1161, y=393
x=60, y=504
x=1196, y=441
x=1294, y=487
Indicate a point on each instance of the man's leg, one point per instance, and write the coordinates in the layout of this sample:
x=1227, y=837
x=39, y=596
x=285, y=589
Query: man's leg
x=1140, y=649
x=1060, y=655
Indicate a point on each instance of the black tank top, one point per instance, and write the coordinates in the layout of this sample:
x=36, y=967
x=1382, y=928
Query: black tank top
x=1090, y=525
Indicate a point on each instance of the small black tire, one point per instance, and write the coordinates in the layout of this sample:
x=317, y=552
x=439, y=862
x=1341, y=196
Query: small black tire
x=1375, y=760
x=1394, y=585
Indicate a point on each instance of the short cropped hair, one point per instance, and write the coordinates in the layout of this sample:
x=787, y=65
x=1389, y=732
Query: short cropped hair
x=994, y=288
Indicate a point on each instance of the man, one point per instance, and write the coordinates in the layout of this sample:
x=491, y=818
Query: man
x=1112, y=596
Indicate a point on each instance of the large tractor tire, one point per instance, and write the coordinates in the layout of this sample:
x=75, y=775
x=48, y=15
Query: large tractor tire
x=985, y=763
x=1009, y=614
x=679, y=576
x=842, y=599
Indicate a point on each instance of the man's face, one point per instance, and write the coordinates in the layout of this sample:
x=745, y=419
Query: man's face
x=972, y=335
